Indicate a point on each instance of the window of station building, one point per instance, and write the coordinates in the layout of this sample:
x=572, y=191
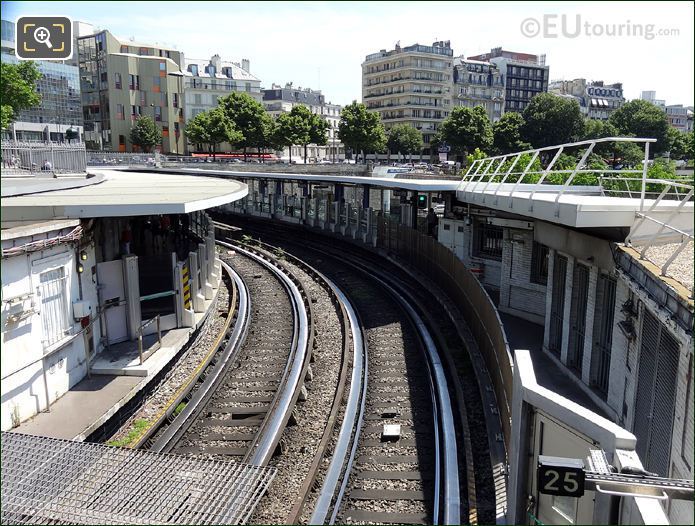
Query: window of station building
x=487, y=241
x=52, y=290
x=539, y=263
x=117, y=78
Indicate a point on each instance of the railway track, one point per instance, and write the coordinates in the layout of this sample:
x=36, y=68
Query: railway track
x=245, y=398
x=395, y=457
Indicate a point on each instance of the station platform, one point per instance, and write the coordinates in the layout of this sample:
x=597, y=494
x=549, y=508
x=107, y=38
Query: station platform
x=523, y=334
x=116, y=377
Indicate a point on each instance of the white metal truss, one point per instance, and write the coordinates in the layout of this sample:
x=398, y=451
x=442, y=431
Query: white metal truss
x=54, y=481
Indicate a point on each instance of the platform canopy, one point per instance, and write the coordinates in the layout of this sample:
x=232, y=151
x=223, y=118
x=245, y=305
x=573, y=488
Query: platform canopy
x=115, y=193
x=54, y=481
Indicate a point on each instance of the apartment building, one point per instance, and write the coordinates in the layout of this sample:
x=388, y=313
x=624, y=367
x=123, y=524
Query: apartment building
x=524, y=75
x=410, y=85
x=479, y=84
x=278, y=100
x=597, y=100
x=677, y=115
x=60, y=109
x=122, y=80
x=650, y=96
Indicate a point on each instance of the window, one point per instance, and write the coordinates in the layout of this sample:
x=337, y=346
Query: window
x=54, y=305
x=176, y=100
x=197, y=99
x=162, y=66
x=248, y=87
x=539, y=264
x=118, y=80
x=124, y=49
x=157, y=113
x=193, y=68
x=156, y=84
x=120, y=113
x=134, y=82
x=143, y=98
x=135, y=112
x=165, y=131
x=488, y=241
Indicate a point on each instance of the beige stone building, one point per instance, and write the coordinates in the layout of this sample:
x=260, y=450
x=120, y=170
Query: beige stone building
x=122, y=80
x=410, y=85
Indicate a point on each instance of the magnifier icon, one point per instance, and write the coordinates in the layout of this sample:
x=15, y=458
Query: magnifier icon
x=42, y=36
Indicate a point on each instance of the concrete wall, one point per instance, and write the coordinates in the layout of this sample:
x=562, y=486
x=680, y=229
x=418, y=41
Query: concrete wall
x=32, y=374
x=362, y=170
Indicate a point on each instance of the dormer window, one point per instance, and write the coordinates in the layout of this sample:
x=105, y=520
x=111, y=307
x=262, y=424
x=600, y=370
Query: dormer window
x=193, y=68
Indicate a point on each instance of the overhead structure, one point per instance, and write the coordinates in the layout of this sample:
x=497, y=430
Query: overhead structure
x=53, y=481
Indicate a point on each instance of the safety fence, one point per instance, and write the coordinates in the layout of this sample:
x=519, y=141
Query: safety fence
x=27, y=158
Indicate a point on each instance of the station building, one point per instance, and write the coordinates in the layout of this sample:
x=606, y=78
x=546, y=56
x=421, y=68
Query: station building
x=103, y=273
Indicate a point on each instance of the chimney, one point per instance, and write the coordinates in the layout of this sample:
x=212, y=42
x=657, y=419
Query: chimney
x=216, y=61
x=246, y=65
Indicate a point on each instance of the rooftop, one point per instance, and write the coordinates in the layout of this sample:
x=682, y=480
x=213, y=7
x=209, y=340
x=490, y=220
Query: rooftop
x=237, y=72
x=117, y=193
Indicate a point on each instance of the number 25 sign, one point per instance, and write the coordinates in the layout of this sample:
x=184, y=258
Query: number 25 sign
x=560, y=476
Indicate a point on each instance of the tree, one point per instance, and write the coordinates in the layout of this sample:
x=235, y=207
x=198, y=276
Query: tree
x=212, y=128
x=466, y=129
x=641, y=118
x=18, y=90
x=145, y=133
x=506, y=134
x=307, y=128
x=404, y=140
x=550, y=119
x=285, y=132
x=361, y=130
x=71, y=134
x=250, y=118
x=318, y=131
x=678, y=144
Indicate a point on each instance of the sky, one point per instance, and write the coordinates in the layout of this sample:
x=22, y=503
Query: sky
x=321, y=45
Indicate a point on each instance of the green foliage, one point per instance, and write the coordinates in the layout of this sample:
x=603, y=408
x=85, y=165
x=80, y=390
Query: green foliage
x=519, y=168
x=249, y=118
x=404, y=139
x=466, y=129
x=17, y=89
x=304, y=127
x=139, y=427
x=678, y=143
x=145, y=133
x=641, y=118
x=476, y=155
x=506, y=134
x=360, y=130
x=212, y=128
x=550, y=119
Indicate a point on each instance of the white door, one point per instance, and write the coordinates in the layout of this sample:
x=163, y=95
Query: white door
x=110, y=279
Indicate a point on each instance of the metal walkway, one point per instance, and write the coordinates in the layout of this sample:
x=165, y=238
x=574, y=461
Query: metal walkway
x=53, y=481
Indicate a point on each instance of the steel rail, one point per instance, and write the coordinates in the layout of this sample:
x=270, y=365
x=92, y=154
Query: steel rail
x=183, y=421
x=351, y=427
x=274, y=424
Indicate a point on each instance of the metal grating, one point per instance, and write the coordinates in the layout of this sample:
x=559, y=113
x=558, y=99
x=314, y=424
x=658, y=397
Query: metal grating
x=54, y=481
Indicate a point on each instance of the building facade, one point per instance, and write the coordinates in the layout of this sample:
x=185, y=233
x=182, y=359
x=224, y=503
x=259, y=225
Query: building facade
x=479, y=84
x=524, y=75
x=651, y=97
x=597, y=100
x=205, y=81
x=410, y=85
x=60, y=108
x=677, y=115
x=278, y=100
x=123, y=80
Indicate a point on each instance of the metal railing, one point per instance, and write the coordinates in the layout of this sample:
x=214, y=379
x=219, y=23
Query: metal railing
x=144, y=355
x=120, y=159
x=28, y=158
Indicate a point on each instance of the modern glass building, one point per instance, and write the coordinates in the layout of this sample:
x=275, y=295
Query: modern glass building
x=61, y=105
